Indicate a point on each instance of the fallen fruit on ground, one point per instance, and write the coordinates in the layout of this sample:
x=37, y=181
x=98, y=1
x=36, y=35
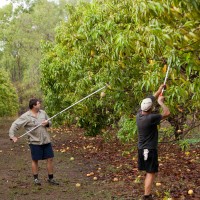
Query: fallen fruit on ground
x=90, y=174
x=158, y=184
x=190, y=192
x=78, y=184
x=187, y=153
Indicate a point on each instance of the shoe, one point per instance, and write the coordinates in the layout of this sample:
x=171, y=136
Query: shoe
x=52, y=182
x=37, y=182
x=149, y=197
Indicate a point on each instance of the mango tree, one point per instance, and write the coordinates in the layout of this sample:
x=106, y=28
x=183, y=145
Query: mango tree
x=128, y=44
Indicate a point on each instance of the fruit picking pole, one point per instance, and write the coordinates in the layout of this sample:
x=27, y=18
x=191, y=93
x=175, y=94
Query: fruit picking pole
x=65, y=109
x=165, y=79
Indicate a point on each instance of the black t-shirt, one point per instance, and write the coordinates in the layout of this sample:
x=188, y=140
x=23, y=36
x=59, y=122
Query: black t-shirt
x=147, y=129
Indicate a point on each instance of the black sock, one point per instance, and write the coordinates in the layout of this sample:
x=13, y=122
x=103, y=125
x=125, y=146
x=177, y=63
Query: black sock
x=50, y=176
x=35, y=176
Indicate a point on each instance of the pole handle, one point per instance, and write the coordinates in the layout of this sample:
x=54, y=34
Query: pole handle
x=164, y=88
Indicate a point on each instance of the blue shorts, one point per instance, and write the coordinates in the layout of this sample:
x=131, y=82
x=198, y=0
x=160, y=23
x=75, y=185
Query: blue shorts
x=41, y=152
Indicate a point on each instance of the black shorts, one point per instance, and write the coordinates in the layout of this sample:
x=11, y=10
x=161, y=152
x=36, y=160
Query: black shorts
x=151, y=164
x=41, y=152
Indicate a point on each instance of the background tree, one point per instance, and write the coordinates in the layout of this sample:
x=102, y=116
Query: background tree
x=128, y=44
x=22, y=30
x=8, y=103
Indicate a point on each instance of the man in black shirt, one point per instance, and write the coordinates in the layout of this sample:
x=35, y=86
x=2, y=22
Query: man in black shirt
x=148, y=138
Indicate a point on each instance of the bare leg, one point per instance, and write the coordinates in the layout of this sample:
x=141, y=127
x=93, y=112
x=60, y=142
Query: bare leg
x=50, y=172
x=148, y=183
x=50, y=165
x=35, y=167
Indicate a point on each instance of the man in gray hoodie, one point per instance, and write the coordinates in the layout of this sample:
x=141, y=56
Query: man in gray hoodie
x=39, y=139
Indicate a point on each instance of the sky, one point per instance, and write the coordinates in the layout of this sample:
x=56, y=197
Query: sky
x=4, y=2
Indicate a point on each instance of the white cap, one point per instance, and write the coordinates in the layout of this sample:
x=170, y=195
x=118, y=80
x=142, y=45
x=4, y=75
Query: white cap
x=146, y=104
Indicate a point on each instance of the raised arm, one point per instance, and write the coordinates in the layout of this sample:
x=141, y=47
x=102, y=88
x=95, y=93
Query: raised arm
x=158, y=92
x=165, y=110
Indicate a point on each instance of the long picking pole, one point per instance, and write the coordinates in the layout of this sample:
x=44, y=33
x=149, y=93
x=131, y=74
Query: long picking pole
x=64, y=110
x=166, y=76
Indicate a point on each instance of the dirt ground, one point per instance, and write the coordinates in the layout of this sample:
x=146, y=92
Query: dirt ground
x=79, y=159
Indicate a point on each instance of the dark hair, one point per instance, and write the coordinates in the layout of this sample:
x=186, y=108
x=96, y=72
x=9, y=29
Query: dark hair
x=33, y=102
